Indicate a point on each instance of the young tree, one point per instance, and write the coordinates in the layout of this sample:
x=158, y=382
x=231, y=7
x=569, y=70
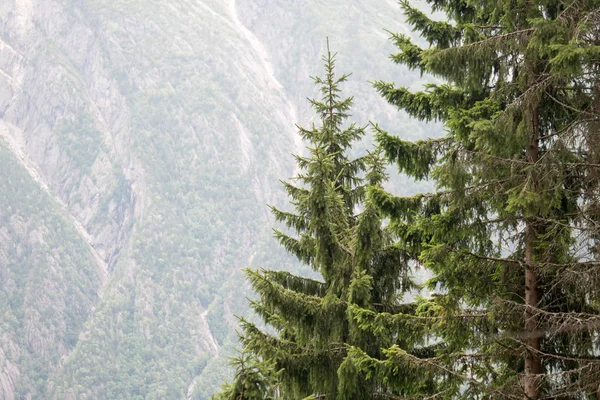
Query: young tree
x=511, y=234
x=253, y=380
x=339, y=233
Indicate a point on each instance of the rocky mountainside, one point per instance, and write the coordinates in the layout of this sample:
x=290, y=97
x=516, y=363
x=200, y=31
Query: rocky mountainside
x=139, y=144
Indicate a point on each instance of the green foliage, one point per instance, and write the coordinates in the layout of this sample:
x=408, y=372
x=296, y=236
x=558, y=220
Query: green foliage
x=511, y=219
x=253, y=380
x=338, y=230
x=82, y=141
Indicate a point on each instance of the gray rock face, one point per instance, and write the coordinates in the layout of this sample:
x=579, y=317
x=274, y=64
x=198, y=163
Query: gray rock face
x=141, y=141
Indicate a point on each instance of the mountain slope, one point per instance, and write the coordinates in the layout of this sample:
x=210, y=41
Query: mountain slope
x=154, y=133
x=49, y=281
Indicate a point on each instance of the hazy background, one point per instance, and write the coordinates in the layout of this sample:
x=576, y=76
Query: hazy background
x=140, y=141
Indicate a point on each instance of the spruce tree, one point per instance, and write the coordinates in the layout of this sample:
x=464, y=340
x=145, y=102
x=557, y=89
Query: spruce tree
x=511, y=233
x=338, y=231
x=253, y=380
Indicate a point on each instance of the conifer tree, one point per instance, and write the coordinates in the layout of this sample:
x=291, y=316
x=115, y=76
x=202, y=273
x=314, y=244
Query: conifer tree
x=253, y=380
x=511, y=233
x=339, y=233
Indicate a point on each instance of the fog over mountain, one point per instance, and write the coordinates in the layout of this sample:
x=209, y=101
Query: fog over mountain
x=140, y=141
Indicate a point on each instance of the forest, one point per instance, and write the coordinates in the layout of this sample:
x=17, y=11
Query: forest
x=509, y=237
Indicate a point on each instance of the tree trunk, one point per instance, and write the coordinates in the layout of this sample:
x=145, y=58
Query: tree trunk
x=533, y=363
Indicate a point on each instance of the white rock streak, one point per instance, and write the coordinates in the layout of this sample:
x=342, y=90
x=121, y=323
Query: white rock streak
x=264, y=60
x=213, y=344
x=263, y=55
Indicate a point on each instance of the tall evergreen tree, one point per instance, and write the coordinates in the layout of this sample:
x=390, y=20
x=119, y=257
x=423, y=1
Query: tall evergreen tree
x=339, y=233
x=511, y=234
